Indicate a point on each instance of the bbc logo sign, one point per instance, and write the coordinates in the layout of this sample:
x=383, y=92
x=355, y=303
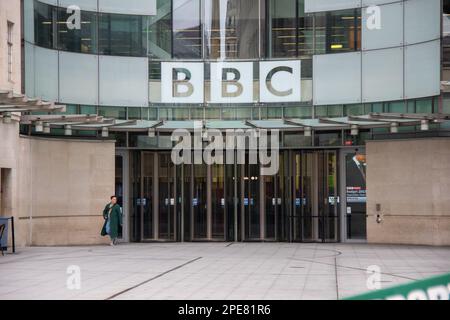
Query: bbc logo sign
x=230, y=82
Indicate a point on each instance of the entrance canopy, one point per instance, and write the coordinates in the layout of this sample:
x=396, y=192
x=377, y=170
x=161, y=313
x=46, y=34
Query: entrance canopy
x=306, y=126
x=354, y=123
x=15, y=105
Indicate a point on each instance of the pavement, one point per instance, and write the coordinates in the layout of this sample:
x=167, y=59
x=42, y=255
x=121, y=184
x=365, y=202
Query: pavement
x=274, y=271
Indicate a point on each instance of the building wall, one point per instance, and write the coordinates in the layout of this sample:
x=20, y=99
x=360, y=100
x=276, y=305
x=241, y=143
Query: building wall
x=55, y=189
x=410, y=179
x=9, y=140
x=65, y=185
x=10, y=11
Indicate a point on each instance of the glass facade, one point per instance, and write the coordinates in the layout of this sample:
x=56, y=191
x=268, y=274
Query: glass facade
x=338, y=31
x=204, y=29
x=187, y=29
x=232, y=29
x=290, y=30
x=83, y=40
x=122, y=35
x=99, y=33
x=44, y=24
x=160, y=31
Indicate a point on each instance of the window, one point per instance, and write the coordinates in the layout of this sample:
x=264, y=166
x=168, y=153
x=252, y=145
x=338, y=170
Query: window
x=338, y=31
x=88, y=109
x=44, y=23
x=290, y=29
x=173, y=114
x=113, y=112
x=122, y=35
x=397, y=107
x=299, y=112
x=82, y=40
x=10, y=50
x=424, y=106
x=329, y=111
x=356, y=109
x=243, y=113
x=134, y=114
x=231, y=29
x=187, y=34
x=160, y=31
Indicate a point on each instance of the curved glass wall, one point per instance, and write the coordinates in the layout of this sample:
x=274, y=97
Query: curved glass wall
x=99, y=33
x=203, y=29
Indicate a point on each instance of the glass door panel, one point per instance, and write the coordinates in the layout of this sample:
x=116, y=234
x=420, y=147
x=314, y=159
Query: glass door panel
x=218, y=203
x=231, y=202
x=282, y=203
x=187, y=202
x=166, y=191
x=199, y=202
x=275, y=204
x=145, y=201
x=327, y=196
x=270, y=201
x=250, y=202
x=306, y=196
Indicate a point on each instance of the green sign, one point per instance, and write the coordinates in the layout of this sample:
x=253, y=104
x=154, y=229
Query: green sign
x=436, y=288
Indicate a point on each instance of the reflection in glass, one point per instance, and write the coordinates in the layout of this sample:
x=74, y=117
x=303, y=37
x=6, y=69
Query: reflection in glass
x=145, y=201
x=327, y=194
x=113, y=112
x=446, y=41
x=218, y=201
x=82, y=40
x=199, y=204
x=166, y=190
x=397, y=107
x=187, y=34
x=44, y=22
x=291, y=30
x=122, y=35
x=251, y=199
x=160, y=31
x=338, y=31
x=231, y=29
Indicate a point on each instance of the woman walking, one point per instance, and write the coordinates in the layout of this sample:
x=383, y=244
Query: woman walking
x=113, y=218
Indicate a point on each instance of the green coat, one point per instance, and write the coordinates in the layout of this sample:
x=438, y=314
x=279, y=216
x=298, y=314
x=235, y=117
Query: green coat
x=116, y=219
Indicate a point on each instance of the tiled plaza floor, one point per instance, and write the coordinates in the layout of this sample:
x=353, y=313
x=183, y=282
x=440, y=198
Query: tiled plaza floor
x=214, y=270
